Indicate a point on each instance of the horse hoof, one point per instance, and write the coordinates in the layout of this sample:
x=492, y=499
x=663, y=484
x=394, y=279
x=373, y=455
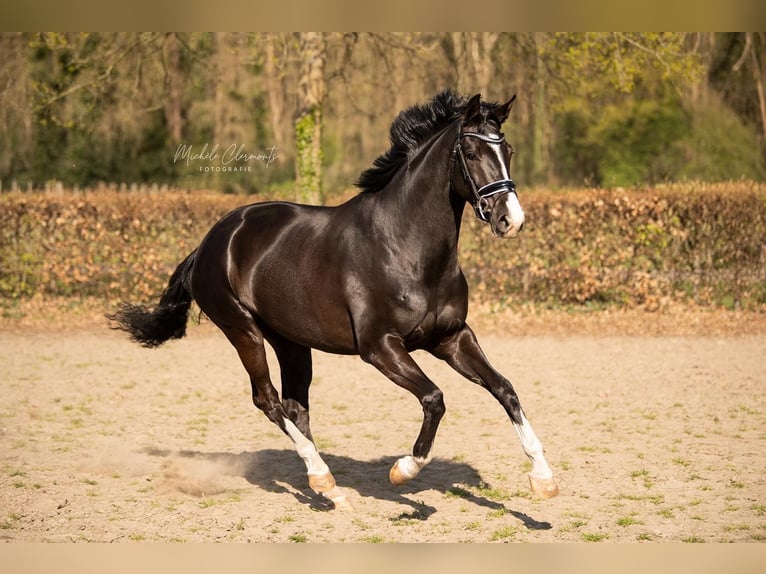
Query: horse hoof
x=339, y=500
x=396, y=476
x=405, y=469
x=322, y=482
x=543, y=487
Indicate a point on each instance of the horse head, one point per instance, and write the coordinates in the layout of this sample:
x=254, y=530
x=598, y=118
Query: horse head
x=484, y=156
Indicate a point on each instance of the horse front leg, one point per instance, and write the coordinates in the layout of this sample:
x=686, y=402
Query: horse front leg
x=463, y=353
x=391, y=358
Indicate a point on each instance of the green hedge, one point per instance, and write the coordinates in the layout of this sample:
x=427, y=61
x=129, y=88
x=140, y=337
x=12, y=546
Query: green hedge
x=684, y=243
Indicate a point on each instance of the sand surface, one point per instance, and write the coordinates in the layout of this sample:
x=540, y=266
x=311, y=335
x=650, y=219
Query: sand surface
x=652, y=438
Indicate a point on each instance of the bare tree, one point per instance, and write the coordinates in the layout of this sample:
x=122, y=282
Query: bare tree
x=174, y=86
x=756, y=58
x=308, y=122
x=275, y=70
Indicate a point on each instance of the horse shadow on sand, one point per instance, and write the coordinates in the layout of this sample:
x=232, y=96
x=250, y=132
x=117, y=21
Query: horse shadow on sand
x=281, y=471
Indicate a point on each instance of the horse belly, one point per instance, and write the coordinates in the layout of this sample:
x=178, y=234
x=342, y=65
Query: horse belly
x=301, y=302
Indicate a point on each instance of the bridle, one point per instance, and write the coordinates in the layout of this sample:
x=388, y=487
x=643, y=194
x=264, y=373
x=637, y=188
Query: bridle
x=481, y=194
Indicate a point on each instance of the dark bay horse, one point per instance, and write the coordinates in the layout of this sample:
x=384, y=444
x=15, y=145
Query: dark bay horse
x=377, y=276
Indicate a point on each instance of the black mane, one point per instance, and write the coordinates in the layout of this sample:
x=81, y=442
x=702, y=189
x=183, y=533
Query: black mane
x=411, y=129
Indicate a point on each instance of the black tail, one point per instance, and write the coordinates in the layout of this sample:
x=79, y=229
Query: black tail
x=151, y=328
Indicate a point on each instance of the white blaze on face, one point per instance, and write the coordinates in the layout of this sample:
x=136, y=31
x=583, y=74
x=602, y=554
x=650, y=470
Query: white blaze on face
x=533, y=448
x=515, y=212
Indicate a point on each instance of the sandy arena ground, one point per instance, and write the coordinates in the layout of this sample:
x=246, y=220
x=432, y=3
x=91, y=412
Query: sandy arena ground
x=653, y=438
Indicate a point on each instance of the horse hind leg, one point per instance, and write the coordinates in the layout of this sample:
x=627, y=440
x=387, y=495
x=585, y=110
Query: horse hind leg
x=248, y=340
x=296, y=372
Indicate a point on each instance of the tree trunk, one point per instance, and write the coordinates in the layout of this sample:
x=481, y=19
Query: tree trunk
x=308, y=123
x=273, y=68
x=229, y=117
x=758, y=73
x=538, y=133
x=174, y=87
x=482, y=44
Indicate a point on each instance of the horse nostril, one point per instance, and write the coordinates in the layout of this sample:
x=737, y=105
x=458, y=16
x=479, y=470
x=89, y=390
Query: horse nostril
x=503, y=224
x=521, y=226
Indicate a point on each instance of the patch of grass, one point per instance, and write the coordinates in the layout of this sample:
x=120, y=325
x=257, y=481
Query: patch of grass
x=298, y=538
x=654, y=499
x=736, y=484
x=361, y=524
x=502, y=533
x=644, y=537
x=457, y=492
x=666, y=513
x=496, y=494
x=324, y=444
x=136, y=537
x=594, y=449
x=473, y=526
x=13, y=518
x=373, y=539
x=406, y=518
x=681, y=462
x=285, y=519
x=735, y=527
x=628, y=521
x=693, y=540
x=574, y=525
x=208, y=502
x=759, y=509
x=644, y=475
x=594, y=537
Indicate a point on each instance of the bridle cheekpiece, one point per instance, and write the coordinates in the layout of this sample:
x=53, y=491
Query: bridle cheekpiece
x=481, y=194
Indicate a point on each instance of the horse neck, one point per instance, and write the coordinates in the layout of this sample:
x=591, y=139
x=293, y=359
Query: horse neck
x=424, y=207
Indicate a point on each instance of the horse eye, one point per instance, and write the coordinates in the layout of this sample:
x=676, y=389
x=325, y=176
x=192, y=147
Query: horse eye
x=470, y=155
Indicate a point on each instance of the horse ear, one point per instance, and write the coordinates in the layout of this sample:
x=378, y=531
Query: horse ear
x=472, y=109
x=503, y=110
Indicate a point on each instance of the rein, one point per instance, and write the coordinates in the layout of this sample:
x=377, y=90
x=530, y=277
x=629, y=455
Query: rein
x=483, y=193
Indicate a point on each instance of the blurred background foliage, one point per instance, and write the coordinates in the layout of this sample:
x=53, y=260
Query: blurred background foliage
x=594, y=109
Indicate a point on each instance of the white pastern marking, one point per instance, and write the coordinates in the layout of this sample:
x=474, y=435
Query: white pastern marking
x=306, y=450
x=533, y=448
x=410, y=466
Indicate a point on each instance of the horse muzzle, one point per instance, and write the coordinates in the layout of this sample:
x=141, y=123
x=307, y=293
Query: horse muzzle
x=507, y=217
